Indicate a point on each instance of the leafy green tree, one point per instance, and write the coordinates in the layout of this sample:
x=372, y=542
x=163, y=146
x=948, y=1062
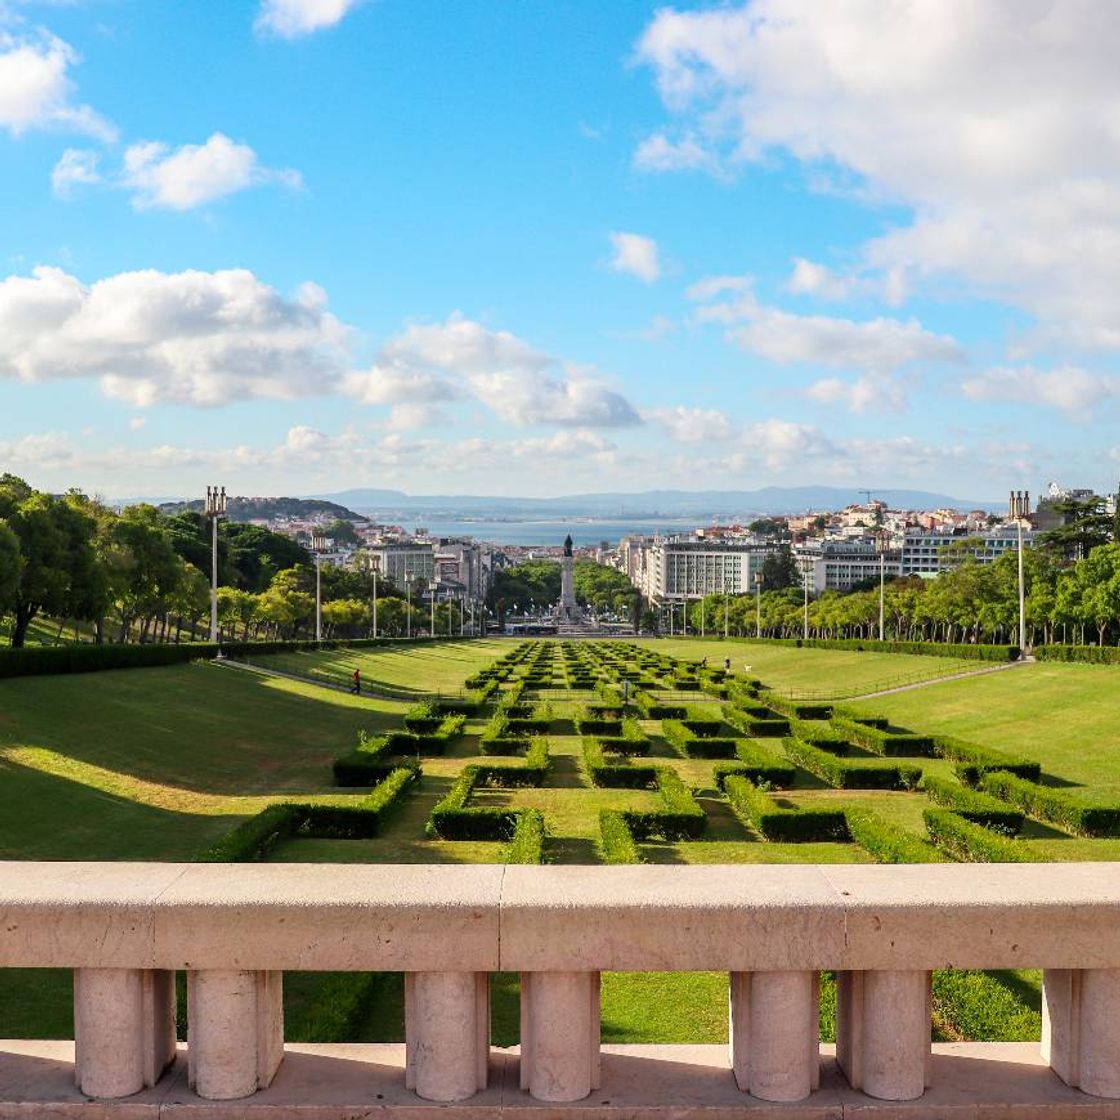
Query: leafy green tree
x=780, y=570
x=11, y=567
x=1087, y=525
x=535, y=581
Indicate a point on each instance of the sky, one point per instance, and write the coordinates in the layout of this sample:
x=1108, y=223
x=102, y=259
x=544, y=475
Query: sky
x=539, y=248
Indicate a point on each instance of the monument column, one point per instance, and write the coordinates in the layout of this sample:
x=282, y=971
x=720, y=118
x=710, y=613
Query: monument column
x=569, y=612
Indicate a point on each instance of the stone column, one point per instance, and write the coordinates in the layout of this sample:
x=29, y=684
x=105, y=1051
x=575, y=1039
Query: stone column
x=775, y=1030
x=560, y=1034
x=883, y=1032
x=447, y=1034
x=235, y=1038
x=124, y=1029
x=1081, y=1028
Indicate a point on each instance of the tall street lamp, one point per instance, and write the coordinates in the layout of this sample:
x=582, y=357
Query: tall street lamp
x=758, y=604
x=726, y=607
x=805, y=589
x=1020, y=511
x=882, y=544
x=432, y=589
x=215, y=511
x=318, y=543
x=408, y=605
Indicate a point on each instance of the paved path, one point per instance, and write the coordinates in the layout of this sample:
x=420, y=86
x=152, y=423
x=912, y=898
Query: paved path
x=951, y=677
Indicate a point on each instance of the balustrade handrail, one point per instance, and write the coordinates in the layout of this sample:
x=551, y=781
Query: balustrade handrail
x=490, y=918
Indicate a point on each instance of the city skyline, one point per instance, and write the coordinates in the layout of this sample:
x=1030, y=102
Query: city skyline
x=301, y=246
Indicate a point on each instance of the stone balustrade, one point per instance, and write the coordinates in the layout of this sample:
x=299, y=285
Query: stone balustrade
x=127, y=928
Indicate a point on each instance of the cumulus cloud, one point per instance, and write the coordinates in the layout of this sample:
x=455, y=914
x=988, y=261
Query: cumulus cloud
x=871, y=393
x=291, y=19
x=1069, y=388
x=76, y=167
x=462, y=358
x=201, y=338
x=994, y=121
x=781, y=336
x=194, y=174
x=659, y=153
x=36, y=90
x=692, y=425
x=635, y=255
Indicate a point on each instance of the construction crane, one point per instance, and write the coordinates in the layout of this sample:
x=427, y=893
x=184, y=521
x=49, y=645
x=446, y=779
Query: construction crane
x=867, y=496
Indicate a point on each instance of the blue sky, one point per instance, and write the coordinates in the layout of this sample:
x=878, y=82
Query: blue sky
x=303, y=245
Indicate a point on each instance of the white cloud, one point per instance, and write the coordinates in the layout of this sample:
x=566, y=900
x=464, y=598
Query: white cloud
x=76, y=167
x=635, y=255
x=994, y=121
x=201, y=338
x=782, y=443
x=874, y=392
x=195, y=174
x=1069, y=388
x=818, y=280
x=692, y=425
x=36, y=90
x=521, y=385
x=50, y=451
x=781, y=336
x=292, y=18
x=659, y=153
x=136, y=423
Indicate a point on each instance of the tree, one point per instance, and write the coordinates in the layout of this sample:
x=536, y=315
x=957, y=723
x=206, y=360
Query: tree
x=780, y=570
x=11, y=567
x=1086, y=525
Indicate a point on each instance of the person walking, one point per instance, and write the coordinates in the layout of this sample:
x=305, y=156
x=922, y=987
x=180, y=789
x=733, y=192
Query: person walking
x=356, y=683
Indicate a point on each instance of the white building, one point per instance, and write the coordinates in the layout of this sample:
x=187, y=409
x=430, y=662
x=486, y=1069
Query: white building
x=401, y=561
x=922, y=553
x=683, y=570
x=838, y=565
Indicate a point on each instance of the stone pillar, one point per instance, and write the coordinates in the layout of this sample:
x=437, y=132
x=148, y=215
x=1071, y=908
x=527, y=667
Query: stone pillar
x=235, y=1038
x=883, y=1032
x=775, y=1030
x=447, y=1034
x=124, y=1029
x=1081, y=1028
x=560, y=1034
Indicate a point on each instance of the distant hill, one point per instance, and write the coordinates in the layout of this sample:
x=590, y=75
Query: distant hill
x=652, y=503
x=265, y=509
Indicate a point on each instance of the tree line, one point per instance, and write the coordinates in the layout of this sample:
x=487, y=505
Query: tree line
x=141, y=575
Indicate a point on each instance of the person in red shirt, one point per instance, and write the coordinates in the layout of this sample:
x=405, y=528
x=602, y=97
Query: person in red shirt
x=356, y=686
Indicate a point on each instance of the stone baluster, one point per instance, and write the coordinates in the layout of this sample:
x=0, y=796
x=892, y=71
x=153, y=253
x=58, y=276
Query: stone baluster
x=775, y=1033
x=235, y=1037
x=560, y=1058
x=883, y=1021
x=124, y=1029
x=1081, y=1028
x=447, y=1034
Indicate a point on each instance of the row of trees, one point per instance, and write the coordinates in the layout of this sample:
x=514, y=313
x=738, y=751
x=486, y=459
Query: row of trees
x=140, y=575
x=535, y=585
x=971, y=602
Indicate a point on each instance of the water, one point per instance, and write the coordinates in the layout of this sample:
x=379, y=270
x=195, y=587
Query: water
x=586, y=532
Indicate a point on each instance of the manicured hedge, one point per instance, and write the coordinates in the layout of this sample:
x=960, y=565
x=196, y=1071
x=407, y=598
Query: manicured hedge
x=616, y=841
x=681, y=735
x=886, y=841
x=846, y=773
x=768, y=726
x=366, y=765
x=255, y=838
x=980, y=808
x=973, y=760
x=1053, y=805
x=972, y=843
x=795, y=709
x=527, y=845
x=755, y=809
x=891, y=743
x=929, y=649
x=618, y=773
x=819, y=734
x=532, y=772
x=756, y=765
x=42, y=660
x=655, y=709
x=679, y=816
x=452, y=819
x=1094, y=655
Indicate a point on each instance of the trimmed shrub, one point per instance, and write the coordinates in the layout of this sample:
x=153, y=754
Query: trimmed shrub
x=616, y=841
x=1094, y=655
x=927, y=649
x=255, y=838
x=1053, y=805
x=452, y=819
x=527, y=845
x=846, y=773
x=760, y=812
x=763, y=726
x=819, y=734
x=679, y=817
x=974, y=806
x=973, y=761
x=972, y=843
x=756, y=765
x=655, y=709
x=532, y=772
x=795, y=709
x=888, y=742
x=618, y=773
x=365, y=765
x=887, y=842
x=681, y=735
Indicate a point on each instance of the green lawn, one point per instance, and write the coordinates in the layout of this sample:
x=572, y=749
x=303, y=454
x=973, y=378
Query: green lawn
x=157, y=763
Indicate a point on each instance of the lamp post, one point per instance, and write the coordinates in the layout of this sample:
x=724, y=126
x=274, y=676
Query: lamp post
x=215, y=511
x=726, y=608
x=882, y=544
x=371, y=565
x=317, y=543
x=758, y=604
x=408, y=605
x=432, y=589
x=805, y=589
x=1020, y=509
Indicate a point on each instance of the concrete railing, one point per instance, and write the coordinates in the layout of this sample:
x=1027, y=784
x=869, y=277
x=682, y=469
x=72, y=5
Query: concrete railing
x=126, y=928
